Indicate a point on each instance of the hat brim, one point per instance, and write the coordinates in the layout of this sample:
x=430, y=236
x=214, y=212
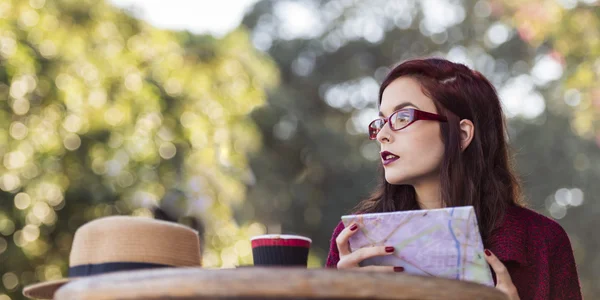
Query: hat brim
x=44, y=290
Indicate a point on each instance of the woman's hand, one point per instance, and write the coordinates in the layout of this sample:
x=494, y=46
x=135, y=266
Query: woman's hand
x=350, y=259
x=503, y=280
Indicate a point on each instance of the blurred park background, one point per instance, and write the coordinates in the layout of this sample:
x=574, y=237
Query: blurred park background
x=257, y=124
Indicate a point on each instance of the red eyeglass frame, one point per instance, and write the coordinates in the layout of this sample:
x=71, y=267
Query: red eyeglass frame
x=414, y=114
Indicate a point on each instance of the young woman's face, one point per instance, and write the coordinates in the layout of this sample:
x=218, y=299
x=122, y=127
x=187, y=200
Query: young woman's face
x=418, y=147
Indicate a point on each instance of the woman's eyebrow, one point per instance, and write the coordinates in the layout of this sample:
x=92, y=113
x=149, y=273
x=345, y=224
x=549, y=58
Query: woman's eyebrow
x=400, y=106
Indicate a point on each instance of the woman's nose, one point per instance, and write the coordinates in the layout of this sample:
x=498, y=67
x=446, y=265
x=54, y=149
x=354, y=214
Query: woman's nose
x=383, y=136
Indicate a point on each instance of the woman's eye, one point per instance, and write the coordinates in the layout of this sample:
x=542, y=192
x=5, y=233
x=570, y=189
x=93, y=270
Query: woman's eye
x=402, y=119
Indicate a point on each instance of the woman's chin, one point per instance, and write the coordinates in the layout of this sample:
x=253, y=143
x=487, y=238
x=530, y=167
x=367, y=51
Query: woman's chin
x=413, y=179
x=396, y=180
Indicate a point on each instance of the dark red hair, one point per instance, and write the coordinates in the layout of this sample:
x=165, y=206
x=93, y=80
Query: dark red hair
x=481, y=175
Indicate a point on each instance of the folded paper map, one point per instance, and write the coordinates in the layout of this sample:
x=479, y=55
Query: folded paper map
x=439, y=242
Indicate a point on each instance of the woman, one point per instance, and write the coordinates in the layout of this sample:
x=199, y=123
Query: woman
x=443, y=144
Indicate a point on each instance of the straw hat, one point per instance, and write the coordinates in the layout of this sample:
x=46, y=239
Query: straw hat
x=121, y=243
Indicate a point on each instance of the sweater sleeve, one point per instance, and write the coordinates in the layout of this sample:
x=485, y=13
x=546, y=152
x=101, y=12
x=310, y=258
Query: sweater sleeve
x=334, y=255
x=564, y=281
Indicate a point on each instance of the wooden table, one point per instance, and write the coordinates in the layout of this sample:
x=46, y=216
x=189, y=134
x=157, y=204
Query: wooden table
x=270, y=283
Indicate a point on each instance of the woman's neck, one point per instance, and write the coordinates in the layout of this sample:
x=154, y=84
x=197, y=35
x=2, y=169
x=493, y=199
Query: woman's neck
x=429, y=194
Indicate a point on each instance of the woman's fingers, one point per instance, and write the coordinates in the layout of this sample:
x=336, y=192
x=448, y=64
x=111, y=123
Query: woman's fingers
x=354, y=258
x=503, y=280
x=342, y=239
x=502, y=274
x=350, y=259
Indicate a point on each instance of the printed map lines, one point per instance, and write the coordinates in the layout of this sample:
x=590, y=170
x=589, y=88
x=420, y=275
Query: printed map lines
x=456, y=242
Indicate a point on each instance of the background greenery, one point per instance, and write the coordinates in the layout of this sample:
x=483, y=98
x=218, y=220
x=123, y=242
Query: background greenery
x=263, y=130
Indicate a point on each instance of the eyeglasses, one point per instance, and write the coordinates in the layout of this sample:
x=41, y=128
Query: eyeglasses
x=401, y=119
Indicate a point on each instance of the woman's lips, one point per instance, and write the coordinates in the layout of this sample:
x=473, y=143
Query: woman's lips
x=388, y=157
x=389, y=161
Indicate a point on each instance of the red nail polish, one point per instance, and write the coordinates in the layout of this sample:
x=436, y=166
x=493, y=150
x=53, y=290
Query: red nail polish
x=353, y=227
x=487, y=252
x=398, y=269
x=389, y=249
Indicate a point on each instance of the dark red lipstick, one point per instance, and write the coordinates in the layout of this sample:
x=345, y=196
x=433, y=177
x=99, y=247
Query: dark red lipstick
x=388, y=157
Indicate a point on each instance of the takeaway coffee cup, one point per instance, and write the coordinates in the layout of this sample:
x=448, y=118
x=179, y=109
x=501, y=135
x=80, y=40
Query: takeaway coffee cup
x=280, y=250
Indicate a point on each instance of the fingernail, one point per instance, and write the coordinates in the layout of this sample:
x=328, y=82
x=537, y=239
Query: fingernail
x=389, y=249
x=353, y=227
x=398, y=269
x=487, y=252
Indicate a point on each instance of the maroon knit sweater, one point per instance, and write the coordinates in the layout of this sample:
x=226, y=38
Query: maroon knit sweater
x=535, y=249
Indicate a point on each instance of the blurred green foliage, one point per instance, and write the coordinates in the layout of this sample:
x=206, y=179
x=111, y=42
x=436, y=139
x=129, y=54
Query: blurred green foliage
x=103, y=114
x=572, y=31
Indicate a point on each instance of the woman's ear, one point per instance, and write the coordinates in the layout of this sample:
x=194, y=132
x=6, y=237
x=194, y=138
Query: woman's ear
x=467, y=131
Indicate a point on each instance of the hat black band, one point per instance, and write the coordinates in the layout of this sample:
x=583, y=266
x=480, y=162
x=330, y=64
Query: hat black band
x=96, y=269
